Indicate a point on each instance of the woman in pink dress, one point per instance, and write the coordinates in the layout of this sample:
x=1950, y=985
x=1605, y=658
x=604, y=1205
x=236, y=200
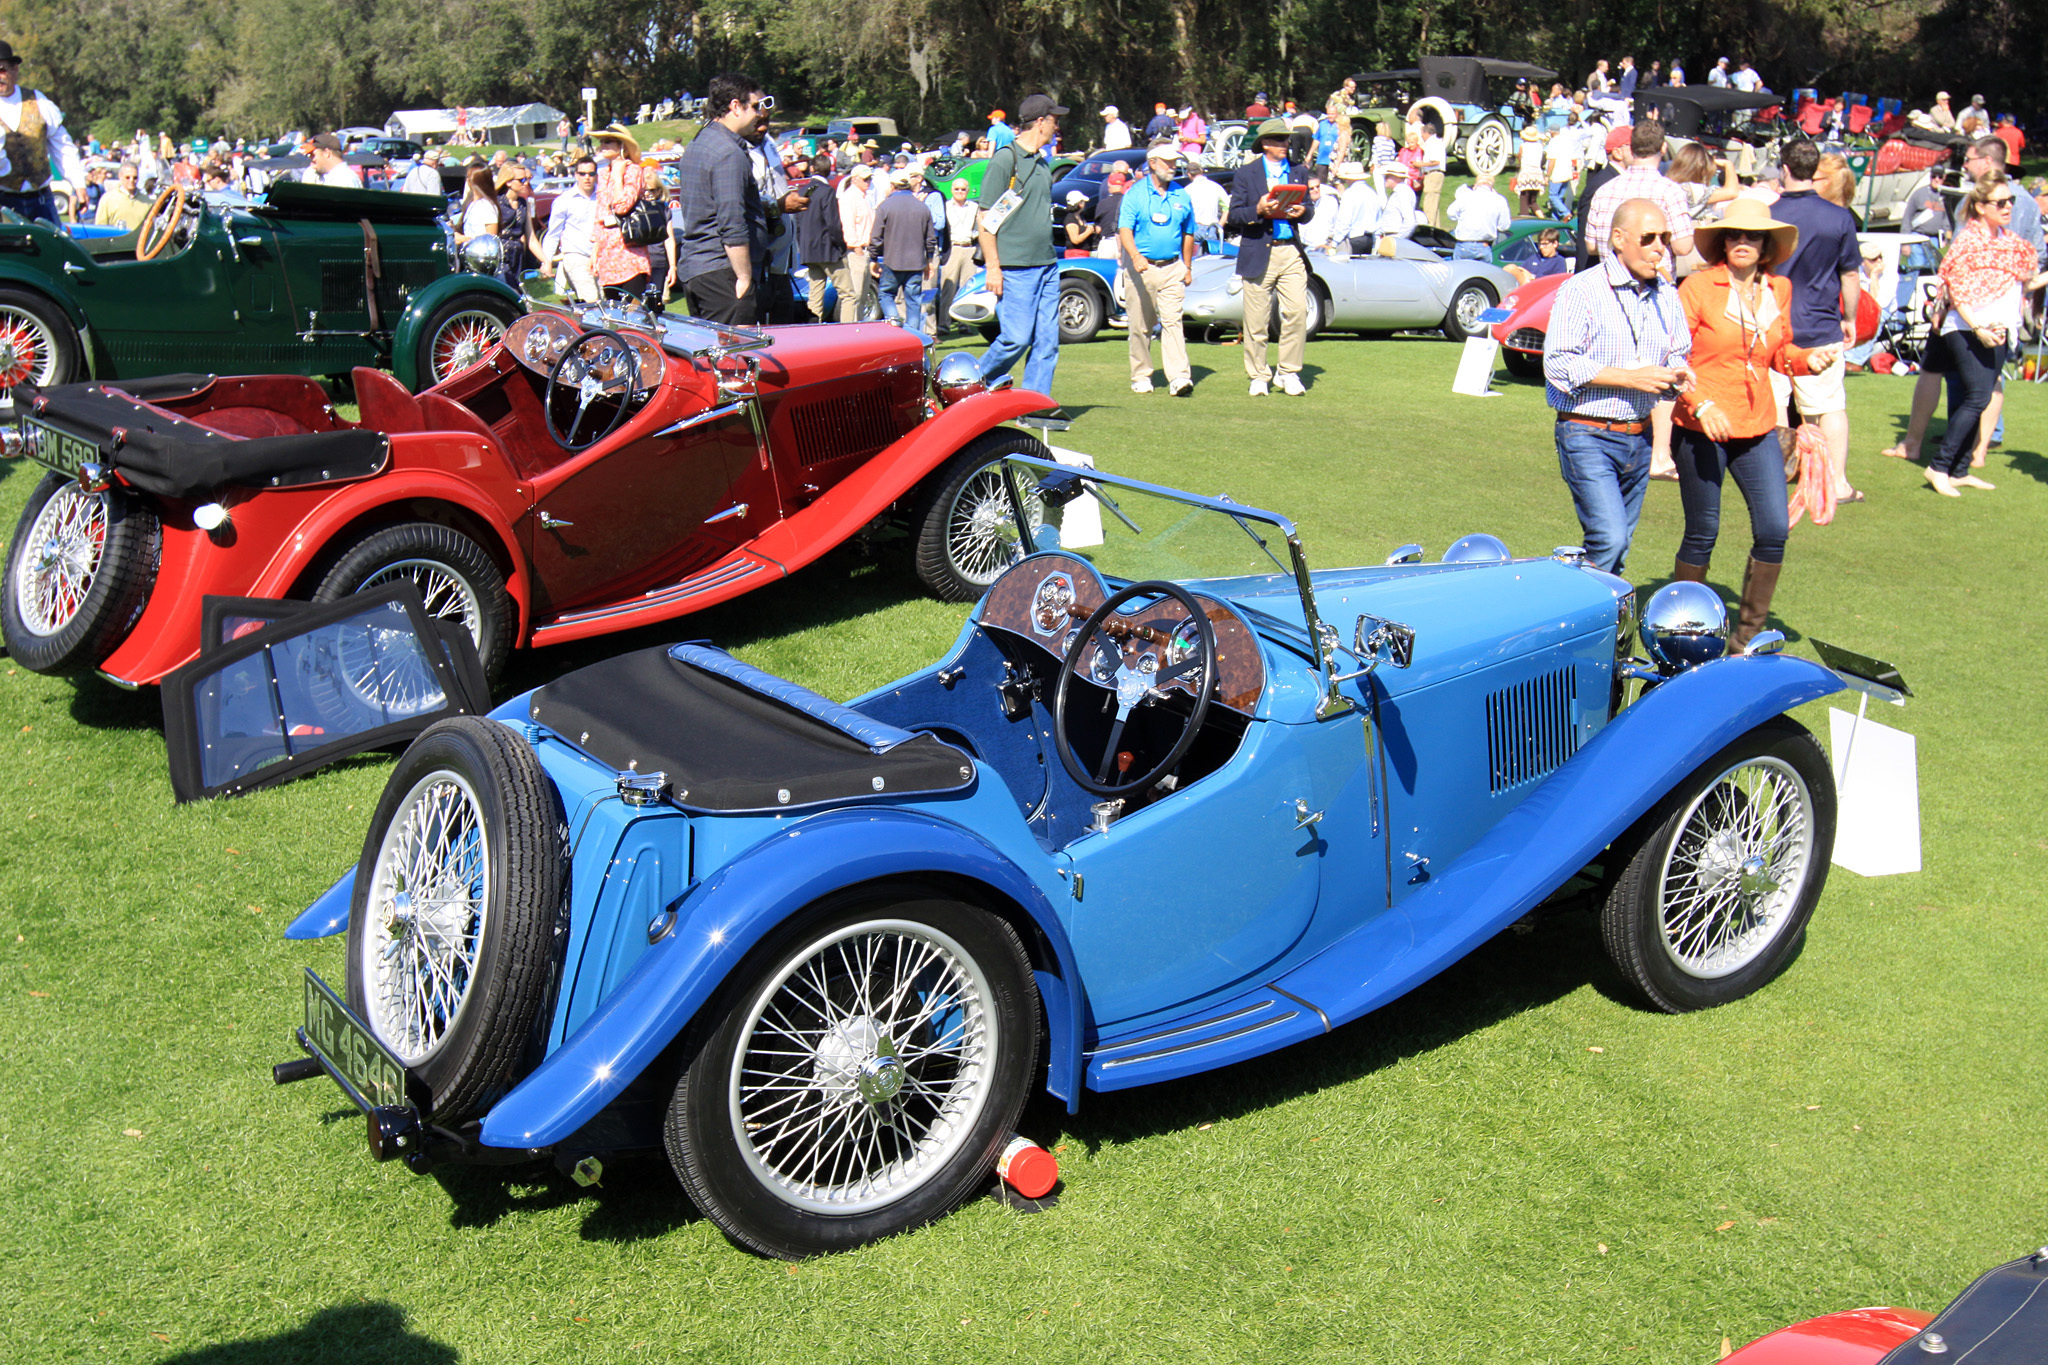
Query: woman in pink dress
x=1194, y=133
x=620, y=180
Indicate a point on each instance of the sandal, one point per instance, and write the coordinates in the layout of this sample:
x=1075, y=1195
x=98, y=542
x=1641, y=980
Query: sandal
x=1896, y=452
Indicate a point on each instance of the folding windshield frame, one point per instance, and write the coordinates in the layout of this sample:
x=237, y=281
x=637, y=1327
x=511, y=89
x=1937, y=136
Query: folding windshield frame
x=1323, y=638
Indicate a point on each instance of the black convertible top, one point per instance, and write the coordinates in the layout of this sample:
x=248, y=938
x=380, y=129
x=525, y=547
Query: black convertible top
x=173, y=457
x=2002, y=1319
x=731, y=738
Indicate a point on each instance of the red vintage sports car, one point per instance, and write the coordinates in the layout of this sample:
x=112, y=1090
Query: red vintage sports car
x=597, y=471
x=2001, y=1319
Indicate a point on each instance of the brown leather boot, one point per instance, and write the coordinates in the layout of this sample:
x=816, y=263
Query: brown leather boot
x=1682, y=572
x=1759, y=581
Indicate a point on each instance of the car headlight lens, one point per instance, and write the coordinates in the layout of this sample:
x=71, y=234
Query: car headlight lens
x=1684, y=626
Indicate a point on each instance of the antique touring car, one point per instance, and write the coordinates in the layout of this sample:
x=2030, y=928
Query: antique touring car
x=598, y=470
x=1148, y=816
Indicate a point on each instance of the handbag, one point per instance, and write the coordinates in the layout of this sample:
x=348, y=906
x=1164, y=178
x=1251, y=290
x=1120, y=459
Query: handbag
x=645, y=225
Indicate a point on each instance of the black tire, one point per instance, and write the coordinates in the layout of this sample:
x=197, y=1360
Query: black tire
x=472, y=783
x=784, y=1192
x=1461, y=319
x=38, y=344
x=1707, y=860
x=1082, y=310
x=1521, y=364
x=459, y=334
x=79, y=572
x=953, y=524
x=456, y=576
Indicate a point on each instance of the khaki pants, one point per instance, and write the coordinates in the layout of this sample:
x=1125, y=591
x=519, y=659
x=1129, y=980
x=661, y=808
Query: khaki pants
x=1287, y=275
x=858, y=288
x=818, y=277
x=574, y=271
x=1432, y=197
x=1160, y=302
x=952, y=275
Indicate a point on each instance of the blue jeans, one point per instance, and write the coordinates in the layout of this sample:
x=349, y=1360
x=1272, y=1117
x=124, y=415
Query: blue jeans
x=1757, y=464
x=909, y=285
x=1561, y=198
x=1028, y=315
x=1607, y=472
x=1472, y=251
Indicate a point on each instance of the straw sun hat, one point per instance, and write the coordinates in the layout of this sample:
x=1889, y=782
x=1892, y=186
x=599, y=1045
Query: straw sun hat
x=1752, y=216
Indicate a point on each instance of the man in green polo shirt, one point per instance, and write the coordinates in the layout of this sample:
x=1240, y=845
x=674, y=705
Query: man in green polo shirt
x=1023, y=272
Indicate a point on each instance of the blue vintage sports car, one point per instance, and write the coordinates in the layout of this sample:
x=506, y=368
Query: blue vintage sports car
x=1148, y=816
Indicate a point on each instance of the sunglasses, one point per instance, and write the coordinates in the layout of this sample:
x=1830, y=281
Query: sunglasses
x=2004, y=203
x=1655, y=239
x=586, y=175
x=764, y=103
x=1740, y=235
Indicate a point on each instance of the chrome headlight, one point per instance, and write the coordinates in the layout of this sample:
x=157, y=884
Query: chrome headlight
x=483, y=254
x=1684, y=626
x=959, y=375
x=1477, y=548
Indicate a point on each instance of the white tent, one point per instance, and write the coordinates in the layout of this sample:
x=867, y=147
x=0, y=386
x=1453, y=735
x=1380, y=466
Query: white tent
x=519, y=125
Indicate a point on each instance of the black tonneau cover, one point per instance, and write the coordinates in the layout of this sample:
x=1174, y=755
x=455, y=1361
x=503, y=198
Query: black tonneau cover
x=730, y=738
x=2002, y=1319
x=174, y=457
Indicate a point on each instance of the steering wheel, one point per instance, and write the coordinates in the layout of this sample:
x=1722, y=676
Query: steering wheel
x=1135, y=684
x=582, y=371
x=165, y=213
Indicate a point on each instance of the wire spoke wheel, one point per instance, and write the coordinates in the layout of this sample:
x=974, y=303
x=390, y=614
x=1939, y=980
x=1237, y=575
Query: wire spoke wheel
x=448, y=596
x=60, y=559
x=979, y=537
x=963, y=524
x=28, y=349
x=427, y=914
x=462, y=340
x=1733, y=872
x=865, y=1066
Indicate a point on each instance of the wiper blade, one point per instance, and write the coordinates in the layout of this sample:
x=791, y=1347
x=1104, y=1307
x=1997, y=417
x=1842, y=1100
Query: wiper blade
x=1110, y=503
x=1257, y=539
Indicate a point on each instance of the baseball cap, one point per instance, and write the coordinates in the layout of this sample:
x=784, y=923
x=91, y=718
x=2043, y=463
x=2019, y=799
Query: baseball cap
x=1941, y=94
x=1036, y=107
x=1617, y=139
x=1165, y=151
x=327, y=141
x=1109, y=111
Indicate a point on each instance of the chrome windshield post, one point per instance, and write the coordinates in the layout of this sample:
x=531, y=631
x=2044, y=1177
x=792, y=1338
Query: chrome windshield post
x=1324, y=636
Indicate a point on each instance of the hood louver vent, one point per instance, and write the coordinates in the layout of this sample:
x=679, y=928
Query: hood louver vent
x=1531, y=729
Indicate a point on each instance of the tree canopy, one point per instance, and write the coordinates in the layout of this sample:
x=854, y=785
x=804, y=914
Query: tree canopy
x=257, y=67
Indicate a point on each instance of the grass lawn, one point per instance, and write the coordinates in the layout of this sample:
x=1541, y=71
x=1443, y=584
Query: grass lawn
x=1514, y=1163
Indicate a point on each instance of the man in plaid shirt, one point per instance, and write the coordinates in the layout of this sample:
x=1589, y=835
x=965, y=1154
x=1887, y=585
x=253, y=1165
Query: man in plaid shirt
x=1617, y=346
x=1640, y=178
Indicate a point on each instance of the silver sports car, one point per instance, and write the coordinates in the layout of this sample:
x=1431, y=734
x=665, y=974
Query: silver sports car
x=1414, y=290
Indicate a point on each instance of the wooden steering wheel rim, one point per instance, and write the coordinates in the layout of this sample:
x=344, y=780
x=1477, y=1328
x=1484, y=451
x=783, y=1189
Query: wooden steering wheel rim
x=144, y=250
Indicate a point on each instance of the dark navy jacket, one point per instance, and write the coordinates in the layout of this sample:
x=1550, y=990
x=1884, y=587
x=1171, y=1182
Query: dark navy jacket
x=1255, y=234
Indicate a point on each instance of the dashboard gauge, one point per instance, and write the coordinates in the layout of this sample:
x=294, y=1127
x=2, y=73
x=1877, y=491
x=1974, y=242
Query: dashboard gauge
x=539, y=344
x=1103, y=664
x=1049, y=608
x=1185, y=643
x=1148, y=662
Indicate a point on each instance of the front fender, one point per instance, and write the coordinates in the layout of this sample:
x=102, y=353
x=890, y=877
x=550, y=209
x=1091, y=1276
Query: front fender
x=723, y=917
x=41, y=282
x=405, y=337
x=1583, y=807
x=869, y=491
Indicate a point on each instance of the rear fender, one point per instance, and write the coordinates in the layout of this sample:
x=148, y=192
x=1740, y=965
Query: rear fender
x=1591, y=801
x=197, y=563
x=869, y=491
x=723, y=917
x=405, y=337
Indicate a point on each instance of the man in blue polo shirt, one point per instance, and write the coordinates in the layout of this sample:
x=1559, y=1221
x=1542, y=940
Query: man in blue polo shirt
x=1826, y=274
x=1156, y=229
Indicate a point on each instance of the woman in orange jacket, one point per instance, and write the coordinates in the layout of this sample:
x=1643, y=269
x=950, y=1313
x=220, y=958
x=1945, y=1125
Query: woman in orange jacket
x=1726, y=425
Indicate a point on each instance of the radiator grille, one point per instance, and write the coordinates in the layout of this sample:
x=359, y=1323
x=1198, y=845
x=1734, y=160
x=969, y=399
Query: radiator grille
x=1530, y=729
x=1525, y=339
x=858, y=424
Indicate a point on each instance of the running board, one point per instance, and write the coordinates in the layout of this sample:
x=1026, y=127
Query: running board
x=738, y=572
x=1254, y=1023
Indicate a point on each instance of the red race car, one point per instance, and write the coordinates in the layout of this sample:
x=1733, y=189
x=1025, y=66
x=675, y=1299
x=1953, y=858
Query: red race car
x=1521, y=334
x=597, y=471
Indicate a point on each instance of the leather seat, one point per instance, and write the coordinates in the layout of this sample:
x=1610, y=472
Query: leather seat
x=384, y=403
x=441, y=413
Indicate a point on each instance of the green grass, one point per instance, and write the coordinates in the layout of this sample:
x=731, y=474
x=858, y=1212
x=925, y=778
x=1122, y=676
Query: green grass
x=1456, y=1178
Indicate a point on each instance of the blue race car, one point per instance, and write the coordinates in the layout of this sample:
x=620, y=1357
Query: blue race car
x=1091, y=298
x=1149, y=815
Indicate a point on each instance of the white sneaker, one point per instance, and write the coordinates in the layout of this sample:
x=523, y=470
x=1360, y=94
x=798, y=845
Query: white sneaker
x=1183, y=389
x=1141, y=386
x=1290, y=384
x=1258, y=388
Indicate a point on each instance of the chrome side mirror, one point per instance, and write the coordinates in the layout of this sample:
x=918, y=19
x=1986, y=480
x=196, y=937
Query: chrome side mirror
x=1375, y=641
x=1407, y=554
x=737, y=375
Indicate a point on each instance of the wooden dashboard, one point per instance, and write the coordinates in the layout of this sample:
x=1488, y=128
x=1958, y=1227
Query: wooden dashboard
x=538, y=340
x=1045, y=600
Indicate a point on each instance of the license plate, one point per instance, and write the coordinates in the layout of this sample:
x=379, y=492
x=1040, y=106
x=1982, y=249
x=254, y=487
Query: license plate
x=60, y=450
x=365, y=1065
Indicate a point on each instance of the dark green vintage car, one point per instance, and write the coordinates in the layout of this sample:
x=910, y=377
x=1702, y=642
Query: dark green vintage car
x=307, y=279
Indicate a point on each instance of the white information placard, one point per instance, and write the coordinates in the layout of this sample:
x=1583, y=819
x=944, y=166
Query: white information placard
x=1475, y=368
x=1081, y=519
x=1877, y=786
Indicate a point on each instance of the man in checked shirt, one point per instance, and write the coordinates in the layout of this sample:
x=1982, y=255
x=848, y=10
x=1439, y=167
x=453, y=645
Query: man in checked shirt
x=1617, y=346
